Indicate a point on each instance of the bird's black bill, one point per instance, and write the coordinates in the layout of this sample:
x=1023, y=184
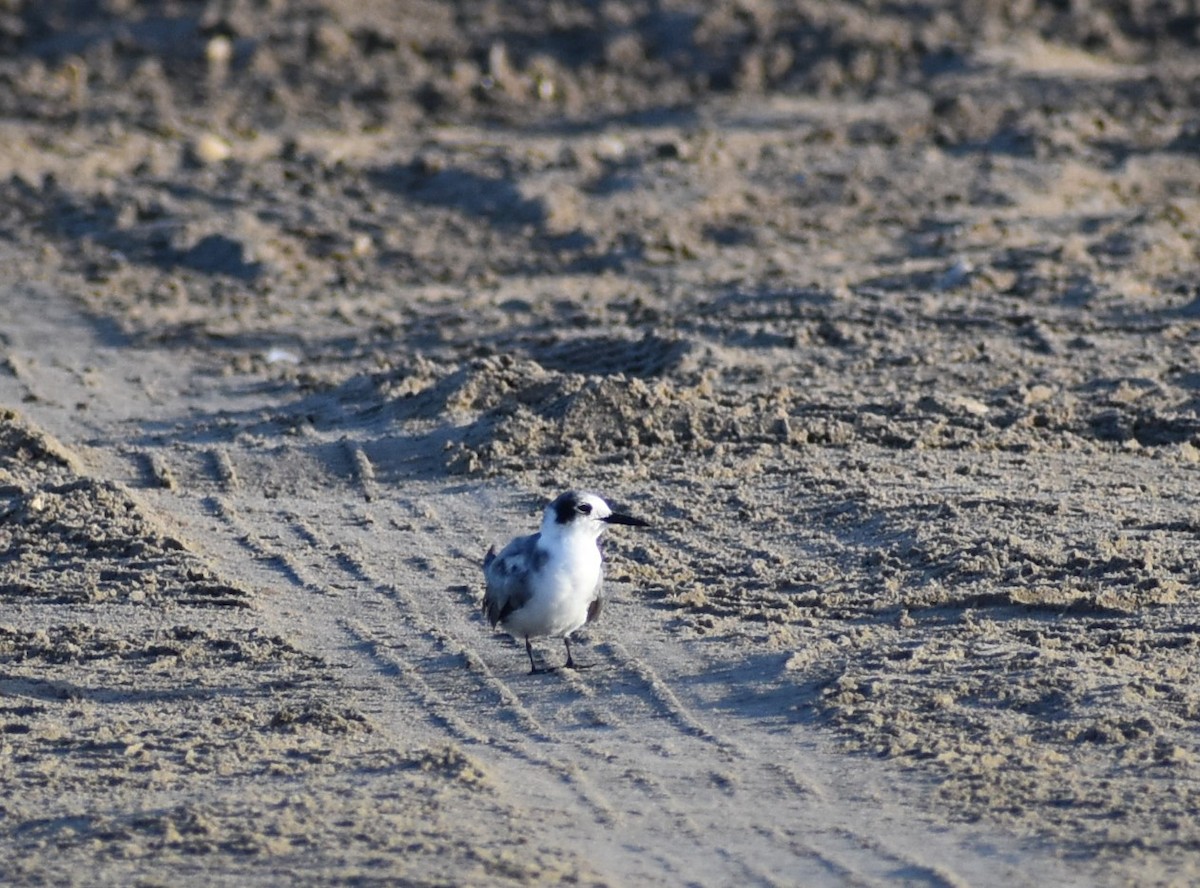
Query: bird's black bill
x=617, y=518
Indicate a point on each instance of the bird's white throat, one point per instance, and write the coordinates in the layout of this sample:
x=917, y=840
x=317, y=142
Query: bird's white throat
x=574, y=551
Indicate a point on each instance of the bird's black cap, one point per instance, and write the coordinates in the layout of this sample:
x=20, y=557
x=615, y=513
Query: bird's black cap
x=570, y=505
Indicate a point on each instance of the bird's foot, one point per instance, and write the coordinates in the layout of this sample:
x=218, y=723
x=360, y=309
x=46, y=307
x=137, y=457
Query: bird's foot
x=571, y=664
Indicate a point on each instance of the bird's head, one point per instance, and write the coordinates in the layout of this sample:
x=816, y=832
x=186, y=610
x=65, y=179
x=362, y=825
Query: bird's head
x=584, y=513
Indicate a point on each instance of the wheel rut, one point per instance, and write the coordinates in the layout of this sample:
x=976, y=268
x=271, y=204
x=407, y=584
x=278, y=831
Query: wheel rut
x=375, y=571
x=434, y=643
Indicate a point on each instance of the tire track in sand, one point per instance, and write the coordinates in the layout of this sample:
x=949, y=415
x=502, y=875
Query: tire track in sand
x=425, y=640
x=409, y=658
x=430, y=668
x=747, y=768
x=654, y=799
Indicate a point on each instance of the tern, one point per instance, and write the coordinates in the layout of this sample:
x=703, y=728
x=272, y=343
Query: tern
x=549, y=583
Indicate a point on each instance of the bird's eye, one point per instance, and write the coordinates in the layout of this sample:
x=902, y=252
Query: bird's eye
x=585, y=508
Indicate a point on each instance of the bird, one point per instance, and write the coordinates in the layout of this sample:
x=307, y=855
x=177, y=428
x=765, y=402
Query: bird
x=549, y=583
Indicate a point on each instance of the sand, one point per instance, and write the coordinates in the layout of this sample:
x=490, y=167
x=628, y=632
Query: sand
x=886, y=317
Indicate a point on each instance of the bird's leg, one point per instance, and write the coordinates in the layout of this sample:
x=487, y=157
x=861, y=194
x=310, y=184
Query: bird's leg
x=571, y=664
x=533, y=667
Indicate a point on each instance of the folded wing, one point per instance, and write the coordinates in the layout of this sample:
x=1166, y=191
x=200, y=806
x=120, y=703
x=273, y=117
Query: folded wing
x=507, y=576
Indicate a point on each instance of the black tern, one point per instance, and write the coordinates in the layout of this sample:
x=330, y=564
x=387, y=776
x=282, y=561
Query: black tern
x=549, y=583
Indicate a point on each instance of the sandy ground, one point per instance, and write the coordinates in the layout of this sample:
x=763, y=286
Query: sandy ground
x=886, y=315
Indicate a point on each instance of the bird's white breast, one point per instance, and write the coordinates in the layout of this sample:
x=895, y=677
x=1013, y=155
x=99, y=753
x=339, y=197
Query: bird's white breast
x=564, y=588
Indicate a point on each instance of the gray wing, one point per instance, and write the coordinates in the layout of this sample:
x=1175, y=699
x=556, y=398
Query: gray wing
x=507, y=576
x=597, y=604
